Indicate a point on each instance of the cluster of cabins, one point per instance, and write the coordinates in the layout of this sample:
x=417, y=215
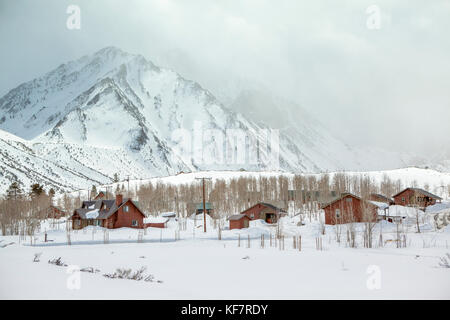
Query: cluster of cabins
x=343, y=208
x=124, y=212
x=350, y=208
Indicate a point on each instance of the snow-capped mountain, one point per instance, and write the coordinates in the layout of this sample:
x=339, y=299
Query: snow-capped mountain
x=115, y=112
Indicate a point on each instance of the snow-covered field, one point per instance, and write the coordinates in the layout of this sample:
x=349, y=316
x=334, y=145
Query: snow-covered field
x=199, y=266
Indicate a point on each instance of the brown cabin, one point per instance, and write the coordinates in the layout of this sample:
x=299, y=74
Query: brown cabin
x=111, y=214
x=380, y=198
x=349, y=208
x=52, y=212
x=416, y=197
x=239, y=221
x=265, y=211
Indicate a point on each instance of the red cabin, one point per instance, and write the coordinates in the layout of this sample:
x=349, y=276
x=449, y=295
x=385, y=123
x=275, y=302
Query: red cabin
x=416, y=197
x=265, y=211
x=381, y=198
x=349, y=208
x=52, y=212
x=111, y=214
x=239, y=221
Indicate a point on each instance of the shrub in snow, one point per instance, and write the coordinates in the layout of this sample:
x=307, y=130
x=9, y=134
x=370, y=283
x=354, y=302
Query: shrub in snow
x=57, y=262
x=445, y=261
x=138, y=275
x=89, y=269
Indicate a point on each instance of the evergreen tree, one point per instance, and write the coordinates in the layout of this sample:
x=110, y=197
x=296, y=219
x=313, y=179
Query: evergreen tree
x=116, y=178
x=36, y=190
x=14, y=191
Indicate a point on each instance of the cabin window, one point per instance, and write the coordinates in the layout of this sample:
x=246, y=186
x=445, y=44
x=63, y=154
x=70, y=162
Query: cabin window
x=252, y=216
x=125, y=208
x=403, y=199
x=348, y=199
x=98, y=222
x=338, y=213
x=134, y=223
x=78, y=222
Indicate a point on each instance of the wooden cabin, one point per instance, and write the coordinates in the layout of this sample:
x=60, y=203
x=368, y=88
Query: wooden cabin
x=239, y=221
x=416, y=197
x=377, y=197
x=111, y=214
x=265, y=211
x=349, y=208
x=52, y=212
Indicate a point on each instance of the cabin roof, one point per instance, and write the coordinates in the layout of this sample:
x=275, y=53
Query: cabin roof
x=238, y=217
x=208, y=206
x=424, y=192
x=272, y=206
x=93, y=209
x=340, y=197
x=382, y=196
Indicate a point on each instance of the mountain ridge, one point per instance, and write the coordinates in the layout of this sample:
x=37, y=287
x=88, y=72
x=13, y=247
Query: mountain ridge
x=115, y=112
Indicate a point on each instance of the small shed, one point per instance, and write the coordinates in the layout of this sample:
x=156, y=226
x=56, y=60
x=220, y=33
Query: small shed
x=155, y=222
x=239, y=221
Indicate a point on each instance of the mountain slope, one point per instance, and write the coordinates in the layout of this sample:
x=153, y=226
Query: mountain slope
x=115, y=112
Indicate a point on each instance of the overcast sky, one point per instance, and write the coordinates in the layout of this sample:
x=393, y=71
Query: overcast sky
x=387, y=87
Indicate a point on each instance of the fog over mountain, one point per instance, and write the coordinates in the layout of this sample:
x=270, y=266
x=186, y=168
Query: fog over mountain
x=112, y=112
x=385, y=88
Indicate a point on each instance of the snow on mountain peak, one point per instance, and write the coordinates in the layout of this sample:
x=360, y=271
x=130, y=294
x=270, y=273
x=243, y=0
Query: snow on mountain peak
x=116, y=112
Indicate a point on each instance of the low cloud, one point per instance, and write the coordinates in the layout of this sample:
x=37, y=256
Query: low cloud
x=386, y=87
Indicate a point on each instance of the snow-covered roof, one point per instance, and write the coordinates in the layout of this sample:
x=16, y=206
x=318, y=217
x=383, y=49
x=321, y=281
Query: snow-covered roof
x=155, y=220
x=169, y=214
x=418, y=190
x=237, y=217
x=381, y=196
x=438, y=207
x=380, y=205
x=101, y=209
x=401, y=211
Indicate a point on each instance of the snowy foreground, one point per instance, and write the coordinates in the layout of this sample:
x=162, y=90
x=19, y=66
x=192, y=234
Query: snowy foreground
x=199, y=266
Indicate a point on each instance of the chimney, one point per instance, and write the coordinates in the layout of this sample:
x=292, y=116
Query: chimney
x=119, y=199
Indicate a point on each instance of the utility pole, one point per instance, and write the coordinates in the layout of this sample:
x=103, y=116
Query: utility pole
x=204, y=205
